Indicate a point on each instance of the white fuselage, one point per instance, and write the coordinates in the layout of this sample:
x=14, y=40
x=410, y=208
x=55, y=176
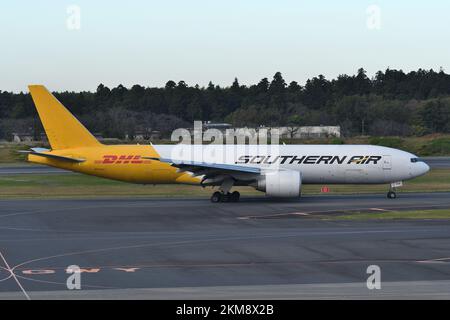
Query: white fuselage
x=355, y=164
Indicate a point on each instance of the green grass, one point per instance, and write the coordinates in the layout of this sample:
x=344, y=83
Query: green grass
x=440, y=146
x=430, y=145
x=78, y=185
x=392, y=142
x=390, y=215
x=9, y=154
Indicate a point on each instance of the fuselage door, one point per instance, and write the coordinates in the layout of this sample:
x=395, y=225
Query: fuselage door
x=387, y=162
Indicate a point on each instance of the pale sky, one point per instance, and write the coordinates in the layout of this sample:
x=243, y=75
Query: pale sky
x=151, y=42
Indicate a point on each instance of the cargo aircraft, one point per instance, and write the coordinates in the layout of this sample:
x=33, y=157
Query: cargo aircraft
x=279, y=172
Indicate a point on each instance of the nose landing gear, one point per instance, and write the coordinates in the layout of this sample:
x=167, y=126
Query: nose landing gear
x=392, y=194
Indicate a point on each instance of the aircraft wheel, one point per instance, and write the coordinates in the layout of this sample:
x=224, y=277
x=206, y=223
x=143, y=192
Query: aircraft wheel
x=216, y=197
x=391, y=195
x=226, y=197
x=235, y=196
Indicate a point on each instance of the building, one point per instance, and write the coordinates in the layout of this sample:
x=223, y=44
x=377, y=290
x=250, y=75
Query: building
x=144, y=135
x=288, y=132
x=20, y=137
x=304, y=132
x=24, y=137
x=310, y=132
x=220, y=126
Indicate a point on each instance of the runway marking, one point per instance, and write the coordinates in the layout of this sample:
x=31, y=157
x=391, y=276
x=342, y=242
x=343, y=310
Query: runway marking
x=142, y=267
x=147, y=268
x=300, y=213
x=52, y=210
x=84, y=238
x=7, y=278
x=275, y=215
x=64, y=283
x=23, y=229
x=193, y=242
x=343, y=210
x=106, y=205
x=11, y=271
x=438, y=260
x=9, y=274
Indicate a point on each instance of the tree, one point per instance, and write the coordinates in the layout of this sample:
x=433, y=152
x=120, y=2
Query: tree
x=293, y=125
x=235, y=86
x=263, y=86
x=353, y=109
x=170, y=85
x=317, y=93
x=294, y=87
x=278, y=85
x=436, y=116
x=102, y=91
x=393, y=102
x=362, y=82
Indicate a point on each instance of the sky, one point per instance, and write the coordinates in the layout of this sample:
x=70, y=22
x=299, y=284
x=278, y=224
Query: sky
x=75, y=45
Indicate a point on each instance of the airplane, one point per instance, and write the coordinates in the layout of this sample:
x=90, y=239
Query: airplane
x=279, y=171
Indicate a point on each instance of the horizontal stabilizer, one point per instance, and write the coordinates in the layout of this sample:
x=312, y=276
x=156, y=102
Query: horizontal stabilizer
x=51, y=156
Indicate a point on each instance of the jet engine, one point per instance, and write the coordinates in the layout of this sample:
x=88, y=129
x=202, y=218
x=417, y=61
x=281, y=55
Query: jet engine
x=283, y=184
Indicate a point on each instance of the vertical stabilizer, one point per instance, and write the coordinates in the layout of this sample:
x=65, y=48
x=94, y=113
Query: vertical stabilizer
x=63, y=130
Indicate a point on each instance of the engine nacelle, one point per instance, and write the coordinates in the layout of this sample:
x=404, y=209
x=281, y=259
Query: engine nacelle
x=283, y=183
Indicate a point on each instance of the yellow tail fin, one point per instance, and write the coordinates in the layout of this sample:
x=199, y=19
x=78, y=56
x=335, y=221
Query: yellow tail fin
x=63, y=130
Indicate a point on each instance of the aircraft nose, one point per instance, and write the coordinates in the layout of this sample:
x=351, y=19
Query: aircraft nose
x=422, y=168
x=426, y=168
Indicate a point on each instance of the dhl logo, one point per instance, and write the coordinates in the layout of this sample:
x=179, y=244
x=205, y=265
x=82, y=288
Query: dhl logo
x=122, y=159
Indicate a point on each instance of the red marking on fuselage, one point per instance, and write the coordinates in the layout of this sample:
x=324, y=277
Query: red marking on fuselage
x=109, y=159
x=122, y=159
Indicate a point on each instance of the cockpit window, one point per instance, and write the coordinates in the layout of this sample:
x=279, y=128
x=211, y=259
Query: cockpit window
x=414, y=160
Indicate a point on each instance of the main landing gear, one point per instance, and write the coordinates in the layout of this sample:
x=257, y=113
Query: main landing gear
x=225, y=197
x=224, y=194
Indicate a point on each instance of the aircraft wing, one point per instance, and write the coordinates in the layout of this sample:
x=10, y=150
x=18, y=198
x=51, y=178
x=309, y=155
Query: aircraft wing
x=209, y=170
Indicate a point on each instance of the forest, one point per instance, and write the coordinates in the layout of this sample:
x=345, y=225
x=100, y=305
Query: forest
x=390, y=103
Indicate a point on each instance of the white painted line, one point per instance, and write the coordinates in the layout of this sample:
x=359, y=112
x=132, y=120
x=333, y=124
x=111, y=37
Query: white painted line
x=442, y=259
x=275, y=215
x=14, y=276
x=378, y=209
x=438, y=260
x=300, y=213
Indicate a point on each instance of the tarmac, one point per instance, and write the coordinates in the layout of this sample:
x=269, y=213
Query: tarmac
x=193, y=249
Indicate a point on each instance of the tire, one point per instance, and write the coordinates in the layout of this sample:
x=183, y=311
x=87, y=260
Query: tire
x=235, y=196
x=216, y=197
x=391, y=195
